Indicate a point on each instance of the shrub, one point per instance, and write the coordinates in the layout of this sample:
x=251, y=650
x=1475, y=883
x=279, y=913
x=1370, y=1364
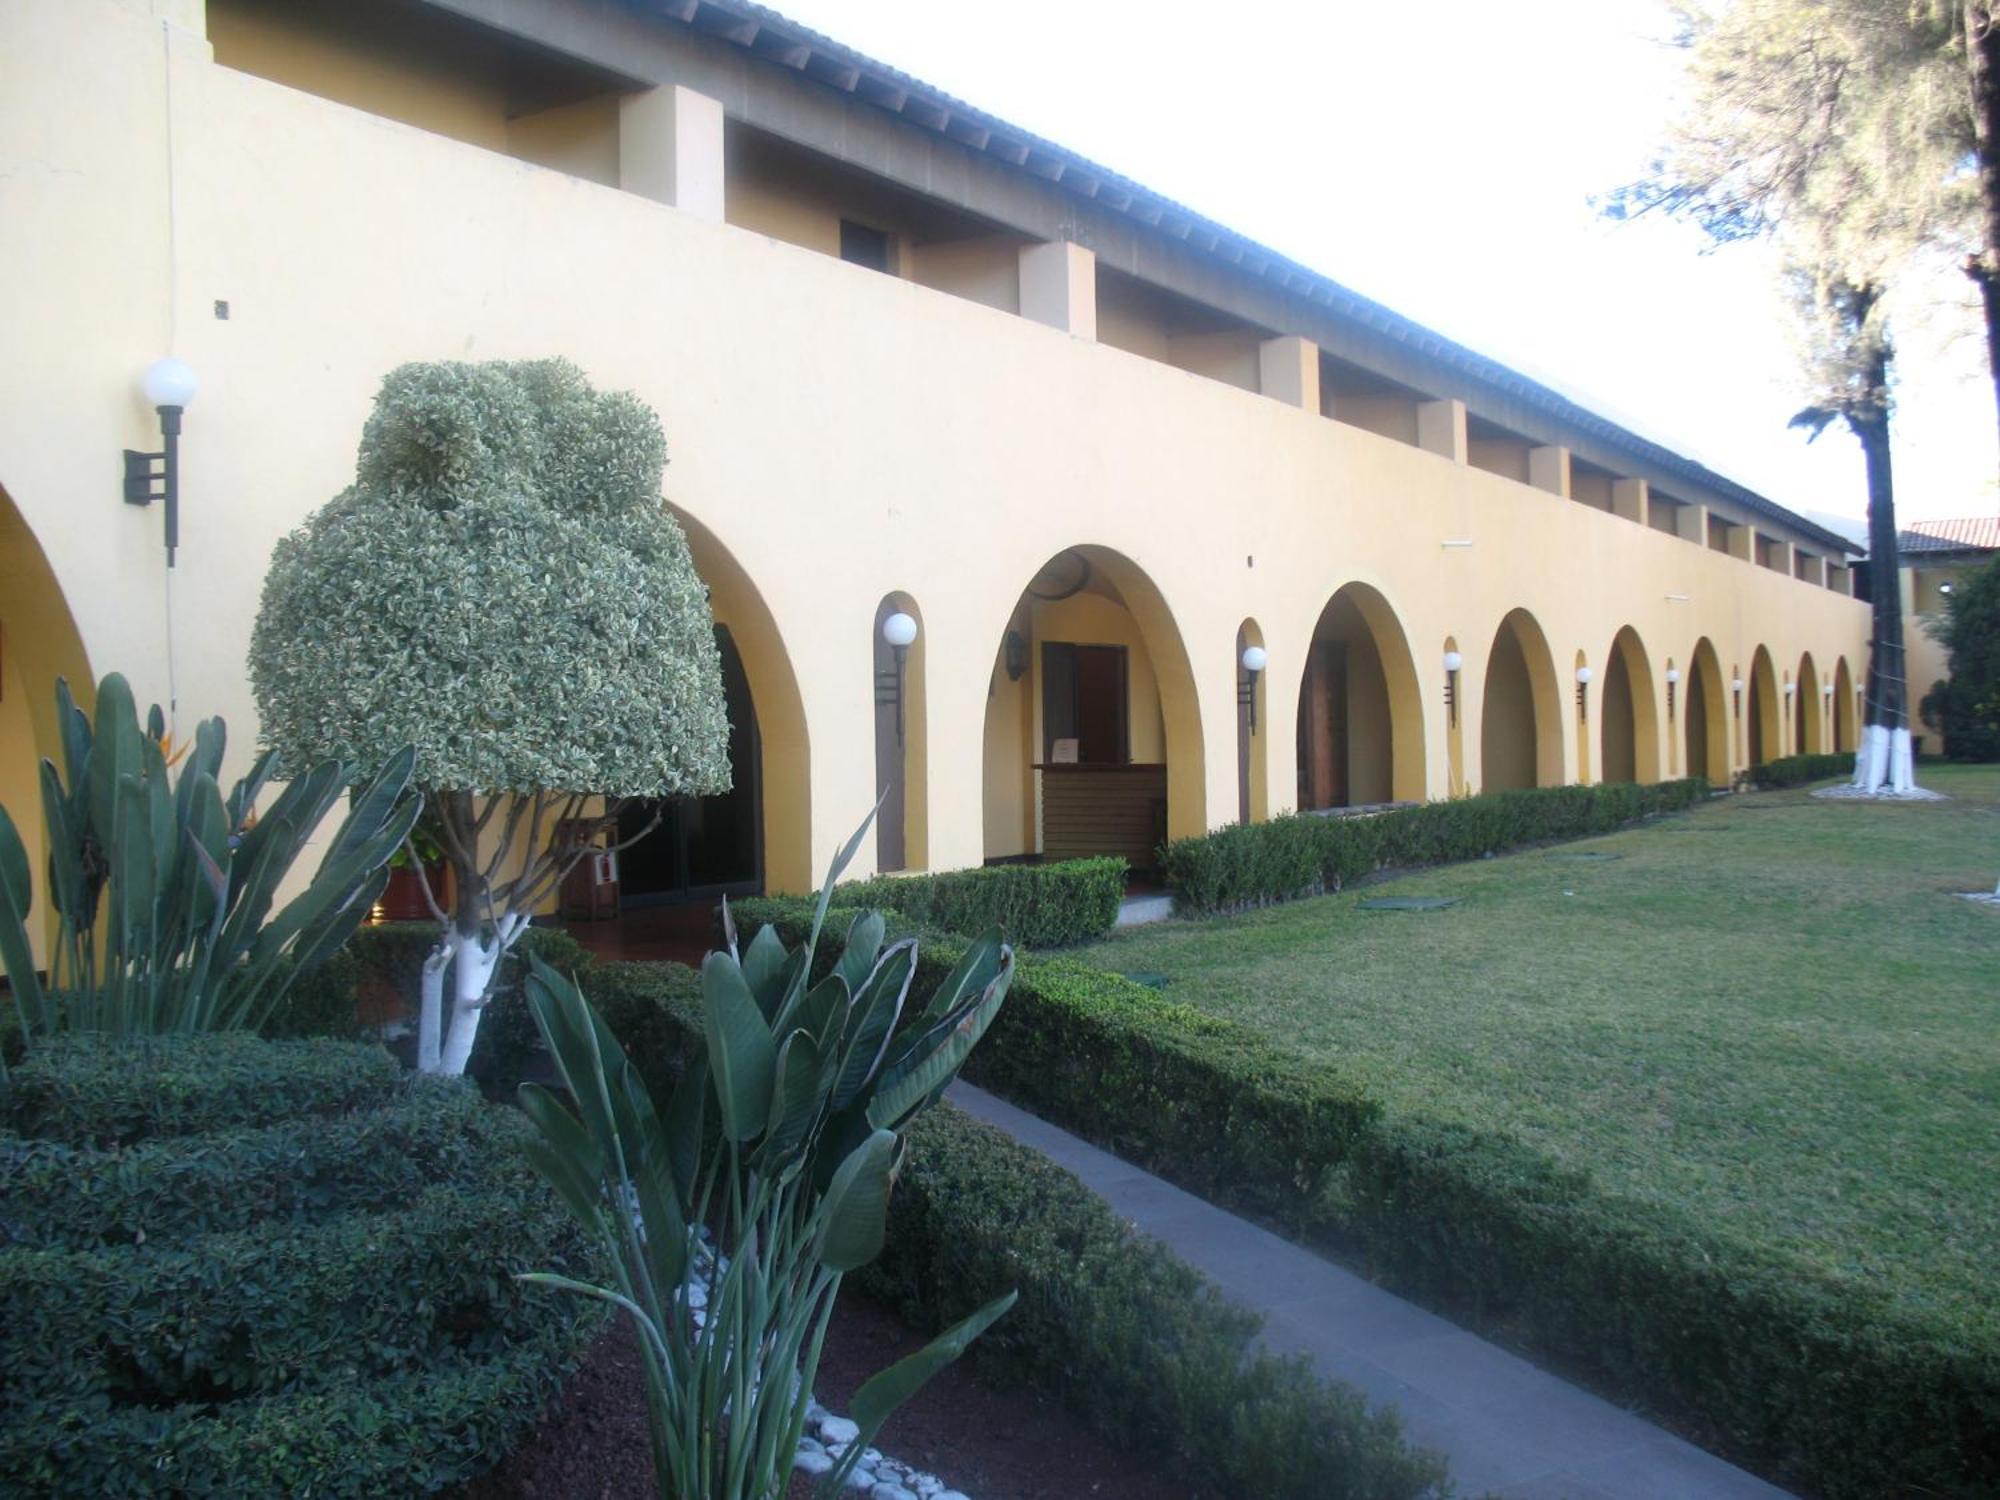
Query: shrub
x=1810, y=1377
x=1033, y=905
x=236, y=1266
x=1119, y=1327
x=1305, y=854
x=1797, y=770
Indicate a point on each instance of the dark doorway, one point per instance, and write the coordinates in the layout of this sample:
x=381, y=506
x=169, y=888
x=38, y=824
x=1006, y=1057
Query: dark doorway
x=1084, y=698
x=704, y=846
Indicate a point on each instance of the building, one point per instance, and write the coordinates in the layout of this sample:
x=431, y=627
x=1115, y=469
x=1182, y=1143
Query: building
x=909, y=360
x=1930, y=557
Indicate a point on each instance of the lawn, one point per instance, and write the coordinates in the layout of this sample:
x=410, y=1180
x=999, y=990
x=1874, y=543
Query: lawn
x=1771, y=1014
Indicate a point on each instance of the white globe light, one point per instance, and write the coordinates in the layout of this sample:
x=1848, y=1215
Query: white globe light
x=1826, y=690
x=1791, y=688
x=899, y=629
x=170, y=382
x=1254, y=658
x=1673, y=674
x=1583, y=676
x=1453, y=661
x=1736, y=684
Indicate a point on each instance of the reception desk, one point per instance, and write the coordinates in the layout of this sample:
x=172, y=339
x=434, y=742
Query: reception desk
x=1090, y=810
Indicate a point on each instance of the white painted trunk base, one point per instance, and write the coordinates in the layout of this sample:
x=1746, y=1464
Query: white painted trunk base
x=1883, y=769
x=472, y=960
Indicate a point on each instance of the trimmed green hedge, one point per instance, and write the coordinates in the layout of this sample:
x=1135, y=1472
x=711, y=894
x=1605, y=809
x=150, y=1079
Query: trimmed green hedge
x=1306, y=854
x=1126, y=1333
x=235, y=1266
x=1033, y=905
x=1809, y=1378
x=1797, y=770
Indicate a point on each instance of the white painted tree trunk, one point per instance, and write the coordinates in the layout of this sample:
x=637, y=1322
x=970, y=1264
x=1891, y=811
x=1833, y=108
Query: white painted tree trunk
x=472, y=959
x=1886, y=762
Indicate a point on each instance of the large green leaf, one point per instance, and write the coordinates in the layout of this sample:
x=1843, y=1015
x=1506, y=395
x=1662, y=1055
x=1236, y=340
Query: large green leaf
x=117, y=751
x=882, y=1393
x=935, y=1061
x=864, y=946
x=795, y=1102
x=16, y=953
x=565, y=1154
x=877, y=1008
x=72, y=891
x=74, y=726
x=742, y=1055
x=764, y=970
x=855, y=1212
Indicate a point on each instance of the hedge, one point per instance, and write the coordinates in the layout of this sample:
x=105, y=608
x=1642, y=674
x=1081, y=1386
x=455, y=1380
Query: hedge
x=1797, y=770
x=1306, y=854
x=1811, y=1379
x=235, y=1266
x=1033, y=905
x=1124, y=1331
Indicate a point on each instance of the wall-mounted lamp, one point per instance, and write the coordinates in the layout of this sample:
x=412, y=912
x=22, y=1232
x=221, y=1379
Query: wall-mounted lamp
x=1254, y=660
x=1945, y=589
x=1452, y=662
x=898, y=630
x=170, y=385
x=1791, y=687
x=1015, y=649
x=1673, y=681
x=1826, y=690
x=1583, y=675
x=1736, y=690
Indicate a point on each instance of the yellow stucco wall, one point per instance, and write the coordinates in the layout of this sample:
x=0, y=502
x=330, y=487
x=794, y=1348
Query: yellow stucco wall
x=836, y=435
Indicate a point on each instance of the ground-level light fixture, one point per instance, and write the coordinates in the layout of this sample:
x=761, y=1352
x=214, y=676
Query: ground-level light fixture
x=899, y=630
x=1452, y=662
x=170, y=385
x=1583, y=675
x=1254, y=661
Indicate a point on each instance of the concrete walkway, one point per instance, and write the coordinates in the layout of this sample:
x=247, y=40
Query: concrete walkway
x=1508, y=1428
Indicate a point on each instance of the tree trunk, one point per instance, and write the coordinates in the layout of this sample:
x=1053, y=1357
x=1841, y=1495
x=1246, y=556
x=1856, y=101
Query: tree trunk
x=1885, y=760
x=1982, y=55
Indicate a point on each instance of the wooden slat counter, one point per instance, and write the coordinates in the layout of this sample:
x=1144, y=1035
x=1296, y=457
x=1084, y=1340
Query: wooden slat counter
x=1090, y=810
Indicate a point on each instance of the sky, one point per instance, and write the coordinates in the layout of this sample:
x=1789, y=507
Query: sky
x=1441, y=160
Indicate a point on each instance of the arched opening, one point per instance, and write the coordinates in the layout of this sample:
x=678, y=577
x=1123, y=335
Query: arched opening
x=1843, y=707
x=1628, y=727
x=1520, y=710
x=1360, y=723
x=39, y=643
x=1093, y=734
x=757, y=835
x=1809, y=711
x=1765, y=728
x=1705, y=712
x=902, y=827
x=1253, y=792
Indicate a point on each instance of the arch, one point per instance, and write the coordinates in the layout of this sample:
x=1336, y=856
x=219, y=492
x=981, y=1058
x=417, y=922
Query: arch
x=1253, y=788
x=1809, y=712
x=783, y=751
x=1763, y=724
x=1091, y=656
x=902, y=760
x=1520, y=709
x=1705, y=715
x=1629, y=729
x=1360, y=721
x=39, y=642
x=1844, y=739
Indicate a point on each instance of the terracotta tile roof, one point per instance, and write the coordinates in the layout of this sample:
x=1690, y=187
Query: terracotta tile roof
x=1964, y=534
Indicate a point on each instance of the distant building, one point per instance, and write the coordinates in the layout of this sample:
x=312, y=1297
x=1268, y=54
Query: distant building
x=911, y=359
x=1931, y=556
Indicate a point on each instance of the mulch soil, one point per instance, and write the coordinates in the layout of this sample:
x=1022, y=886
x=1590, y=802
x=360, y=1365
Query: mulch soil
x=991, y=1442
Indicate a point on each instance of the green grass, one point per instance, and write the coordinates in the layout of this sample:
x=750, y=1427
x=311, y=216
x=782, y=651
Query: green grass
x=1772, y=1014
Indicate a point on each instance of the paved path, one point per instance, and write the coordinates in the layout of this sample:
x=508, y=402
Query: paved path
x=1508, y=1428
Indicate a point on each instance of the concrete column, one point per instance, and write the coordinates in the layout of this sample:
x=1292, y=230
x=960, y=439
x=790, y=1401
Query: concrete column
x=1288, y=371
x=1840, y=578
x=1813, y=569
x=1059, y=287
x=670, y=149
x=1441, y=429
x=1781, y=559
x=1691, y=521
x=1629, y=499
x=1548, y=469
x=1743, y=542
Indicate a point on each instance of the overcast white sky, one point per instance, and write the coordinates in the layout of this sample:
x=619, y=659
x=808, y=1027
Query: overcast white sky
x=1440, y=159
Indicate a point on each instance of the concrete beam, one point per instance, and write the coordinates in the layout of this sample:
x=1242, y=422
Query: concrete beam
x=1629, y=498
x=670, y=149
x=1691, y=521
x=1742, y=542
x=1548, y=469
x=1288, y=371
x=1059, y=287
x=1441, y=429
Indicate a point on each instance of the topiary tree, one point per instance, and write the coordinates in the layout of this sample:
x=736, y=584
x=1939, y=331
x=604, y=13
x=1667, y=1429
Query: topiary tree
x=502, y=589
x=1966, y=707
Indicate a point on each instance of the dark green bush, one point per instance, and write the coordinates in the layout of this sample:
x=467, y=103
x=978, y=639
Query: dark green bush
x=1809, y=1377
x=1124, y=1331
x=232, y=1265
x=1033, y=905
x=1797, y=770
x=1305, y=854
